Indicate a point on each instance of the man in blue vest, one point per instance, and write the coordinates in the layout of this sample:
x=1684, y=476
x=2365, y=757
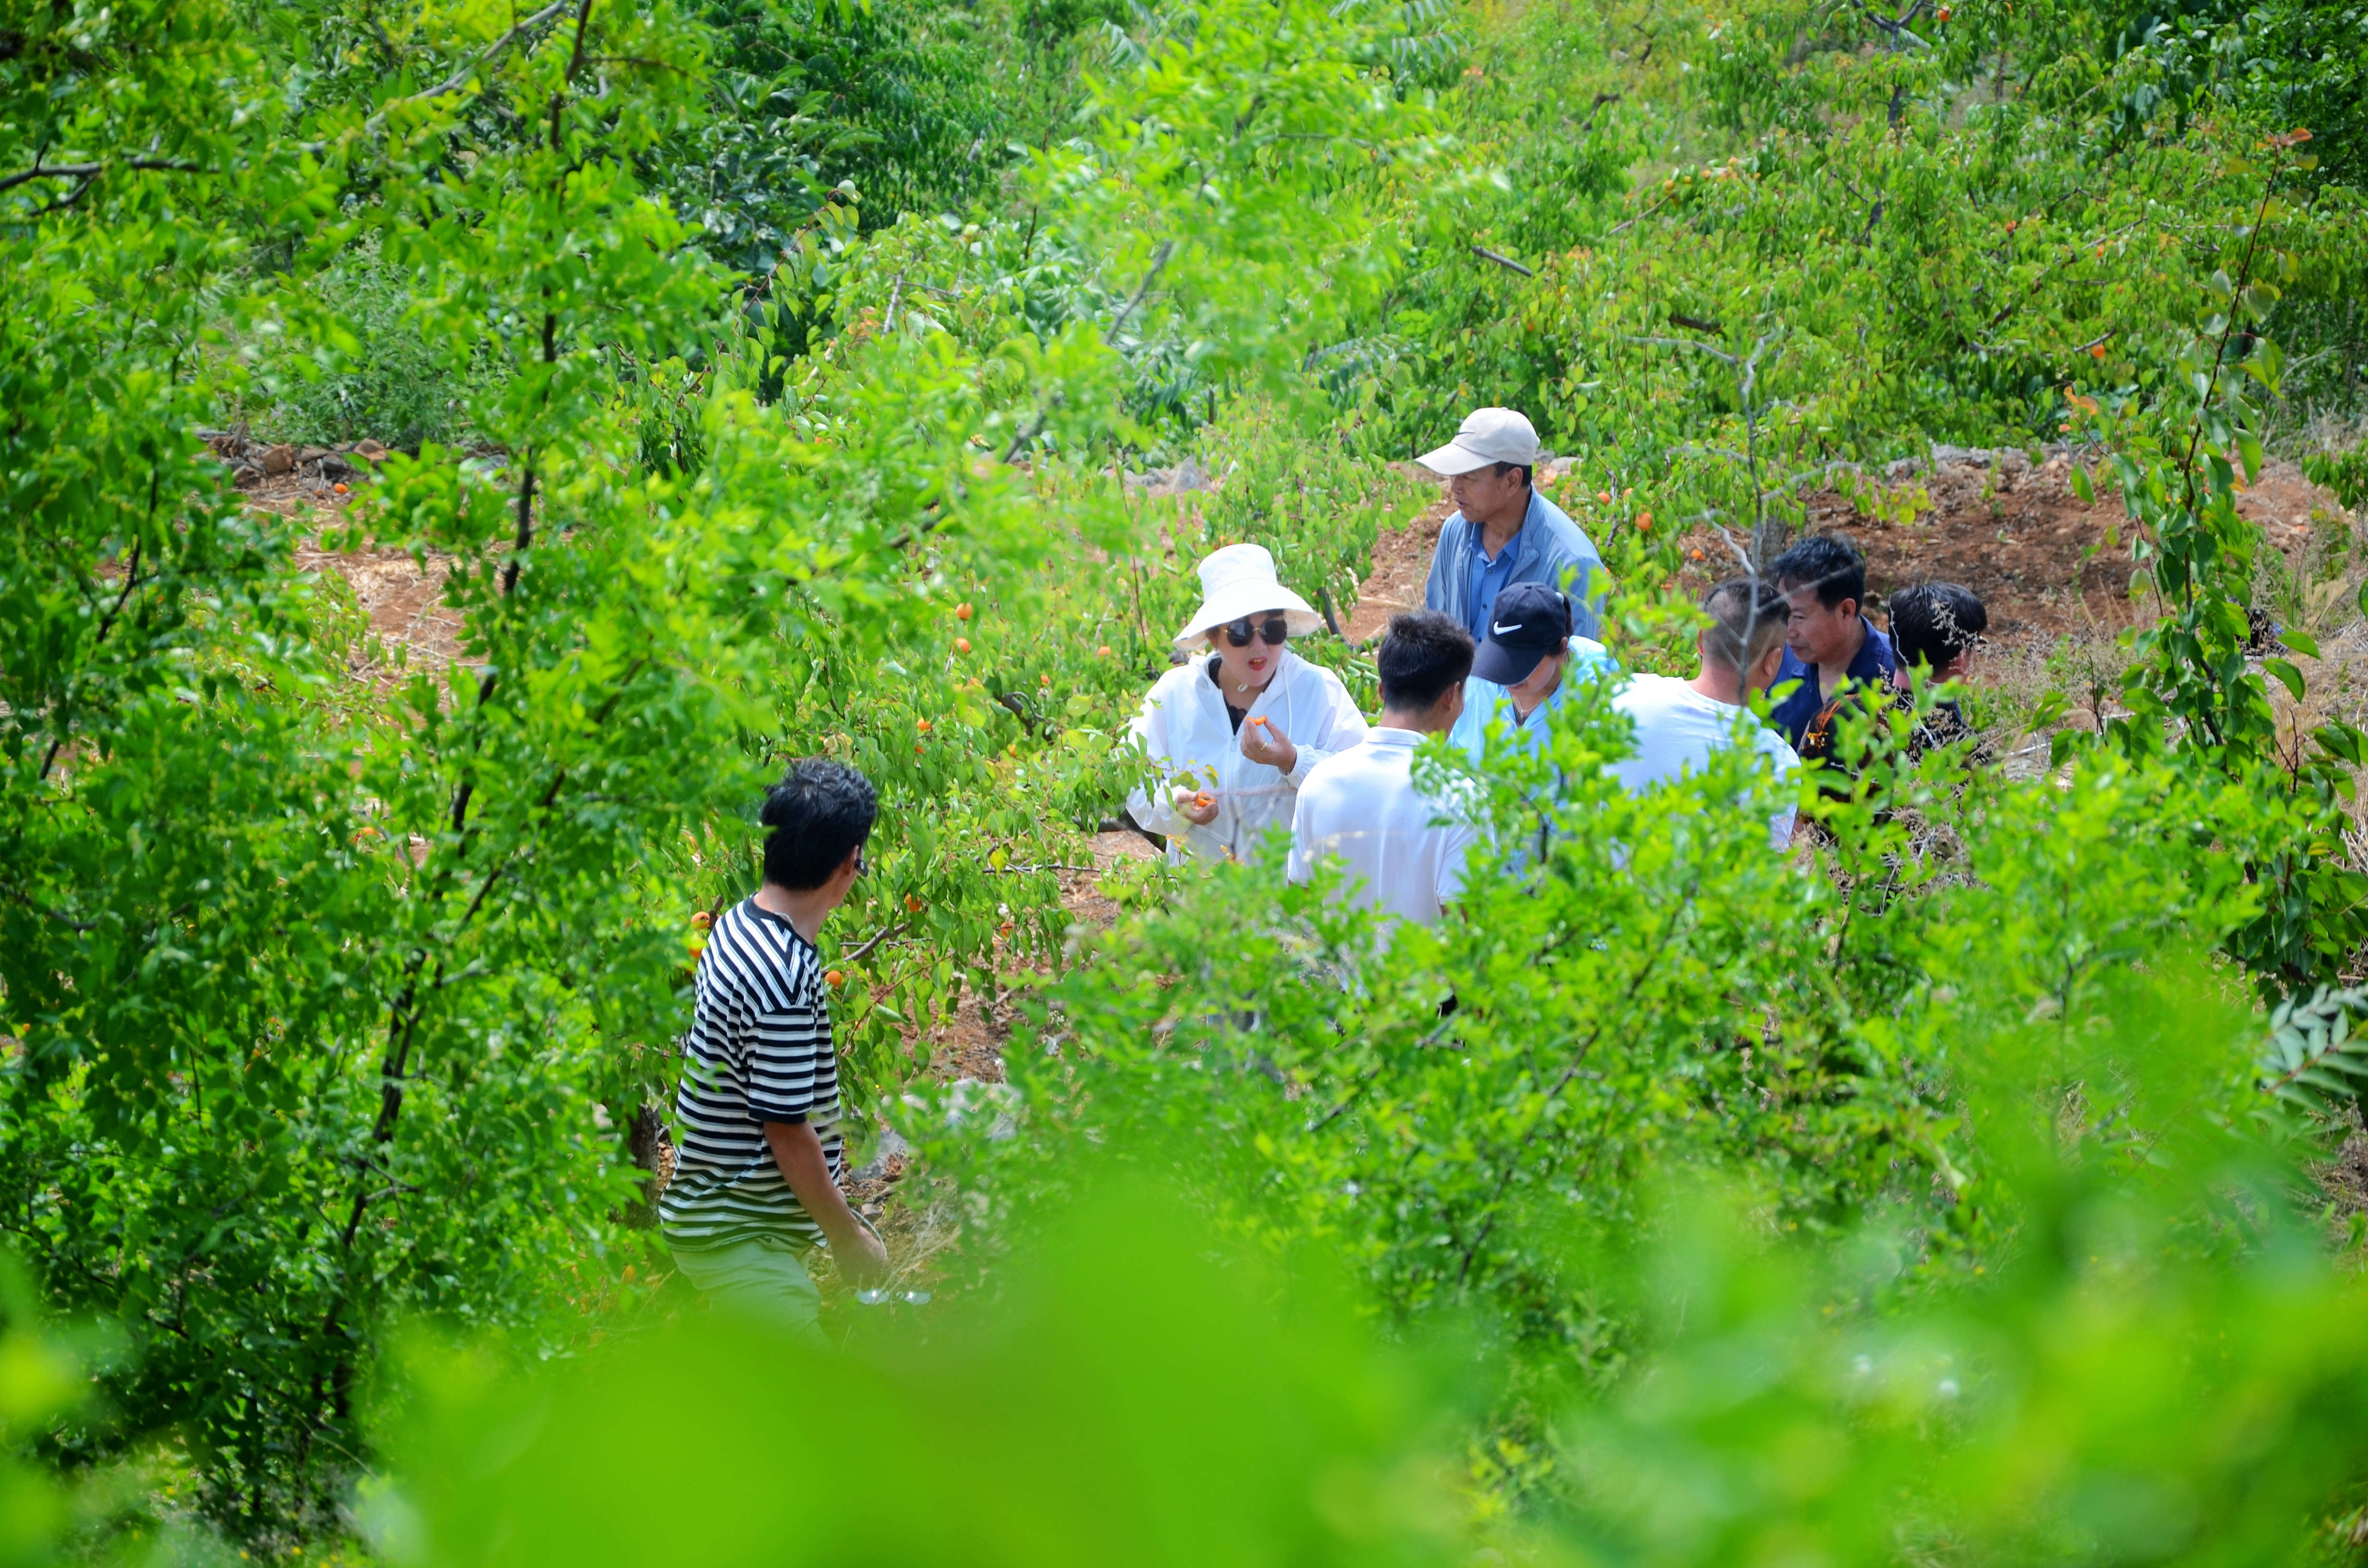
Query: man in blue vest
x=1503, y=531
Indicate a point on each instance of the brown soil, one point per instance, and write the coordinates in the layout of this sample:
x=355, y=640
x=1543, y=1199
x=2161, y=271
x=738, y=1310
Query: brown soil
x=1401, y=567
x=404, y=601
x=2043, y=563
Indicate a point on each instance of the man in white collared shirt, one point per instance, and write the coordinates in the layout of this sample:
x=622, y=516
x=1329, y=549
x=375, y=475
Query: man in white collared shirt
x=1402, y=851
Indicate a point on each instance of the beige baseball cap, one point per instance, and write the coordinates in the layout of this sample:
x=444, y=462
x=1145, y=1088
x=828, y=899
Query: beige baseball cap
x=1487, y=436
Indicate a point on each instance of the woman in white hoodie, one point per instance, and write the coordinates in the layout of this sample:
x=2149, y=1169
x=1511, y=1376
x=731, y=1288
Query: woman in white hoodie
x=1233, y=730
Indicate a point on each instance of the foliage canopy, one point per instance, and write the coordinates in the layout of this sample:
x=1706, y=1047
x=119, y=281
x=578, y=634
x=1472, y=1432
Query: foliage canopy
x=764, y=380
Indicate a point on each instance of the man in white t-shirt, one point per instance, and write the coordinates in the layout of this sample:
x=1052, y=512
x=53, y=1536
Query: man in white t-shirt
x=1401, y=850
x=1679, y=723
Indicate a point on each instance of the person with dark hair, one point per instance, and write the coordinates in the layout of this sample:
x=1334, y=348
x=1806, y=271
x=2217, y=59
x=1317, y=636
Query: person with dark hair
x=1403, y=850
x=1828, y=643
x=1233, y=735
x=1680, y=722
x=755, y=1180
x=1524, y=670
x=1503, y=531
x=1936, y=629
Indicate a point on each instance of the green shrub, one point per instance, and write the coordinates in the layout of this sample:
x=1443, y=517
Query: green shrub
x=359, y=367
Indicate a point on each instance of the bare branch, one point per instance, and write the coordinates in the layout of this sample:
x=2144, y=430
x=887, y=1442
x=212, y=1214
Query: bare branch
x=1026, y=434
x=91, y=171
x=1159, y=265
x=856, y=954
x=1507, y=262
x=44, y=911
x=467, y=73
x=1718, y=354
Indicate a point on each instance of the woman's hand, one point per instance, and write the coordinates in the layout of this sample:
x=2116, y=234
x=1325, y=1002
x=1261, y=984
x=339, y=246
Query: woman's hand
x=1263, y=740
x=1196, y=806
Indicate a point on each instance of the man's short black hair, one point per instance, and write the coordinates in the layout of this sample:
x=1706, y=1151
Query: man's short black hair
x=1521, y=469
x=1931, y=623
x=1423, y=654
x=819, y=811
x=1827, y=563
x=1747, y=616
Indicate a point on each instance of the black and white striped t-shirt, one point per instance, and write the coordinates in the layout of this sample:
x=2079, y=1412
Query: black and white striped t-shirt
x=759, y=1050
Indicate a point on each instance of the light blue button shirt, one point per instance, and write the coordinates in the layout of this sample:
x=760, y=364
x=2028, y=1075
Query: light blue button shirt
x=1489, y=578
x=1486, y=703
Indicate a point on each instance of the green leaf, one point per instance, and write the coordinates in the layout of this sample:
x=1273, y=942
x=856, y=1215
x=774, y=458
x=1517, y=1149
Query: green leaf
x=2288, y=676
x=2249, y=447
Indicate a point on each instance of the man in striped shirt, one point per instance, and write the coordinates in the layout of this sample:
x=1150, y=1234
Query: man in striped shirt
x=755, y=1180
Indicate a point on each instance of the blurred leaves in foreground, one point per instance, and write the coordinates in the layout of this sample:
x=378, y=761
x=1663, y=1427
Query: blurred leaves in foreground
x=2165, y=1366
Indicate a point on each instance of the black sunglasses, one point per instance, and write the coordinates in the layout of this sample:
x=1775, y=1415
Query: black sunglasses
x=1276, y=631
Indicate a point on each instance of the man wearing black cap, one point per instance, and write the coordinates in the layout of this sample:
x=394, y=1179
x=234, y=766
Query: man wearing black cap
x=1524, y=669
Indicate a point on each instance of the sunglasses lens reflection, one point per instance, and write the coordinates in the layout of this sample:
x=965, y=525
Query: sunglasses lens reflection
x=1275, y=631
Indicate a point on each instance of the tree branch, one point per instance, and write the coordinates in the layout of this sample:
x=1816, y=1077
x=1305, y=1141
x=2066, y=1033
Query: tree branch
x=856, y=954
x=1158, y=264
x=466, y=74
x=1507, y=262
x=44, y=911
x=91, y=171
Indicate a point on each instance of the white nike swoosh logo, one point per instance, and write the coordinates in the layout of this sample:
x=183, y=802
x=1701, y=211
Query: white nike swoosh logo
x=1496, y=630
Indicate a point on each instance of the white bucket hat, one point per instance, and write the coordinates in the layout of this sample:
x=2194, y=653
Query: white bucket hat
x=1239, y=581
x=1488, y=436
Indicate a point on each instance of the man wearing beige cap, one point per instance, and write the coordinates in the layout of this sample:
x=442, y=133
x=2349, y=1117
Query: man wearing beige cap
x=1503, y=531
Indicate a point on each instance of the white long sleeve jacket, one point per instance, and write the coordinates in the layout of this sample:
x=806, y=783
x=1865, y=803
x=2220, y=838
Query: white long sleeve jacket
x=1184, y=731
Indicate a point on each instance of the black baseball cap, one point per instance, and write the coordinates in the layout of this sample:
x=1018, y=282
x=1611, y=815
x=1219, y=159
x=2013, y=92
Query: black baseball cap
x=1530, y=621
